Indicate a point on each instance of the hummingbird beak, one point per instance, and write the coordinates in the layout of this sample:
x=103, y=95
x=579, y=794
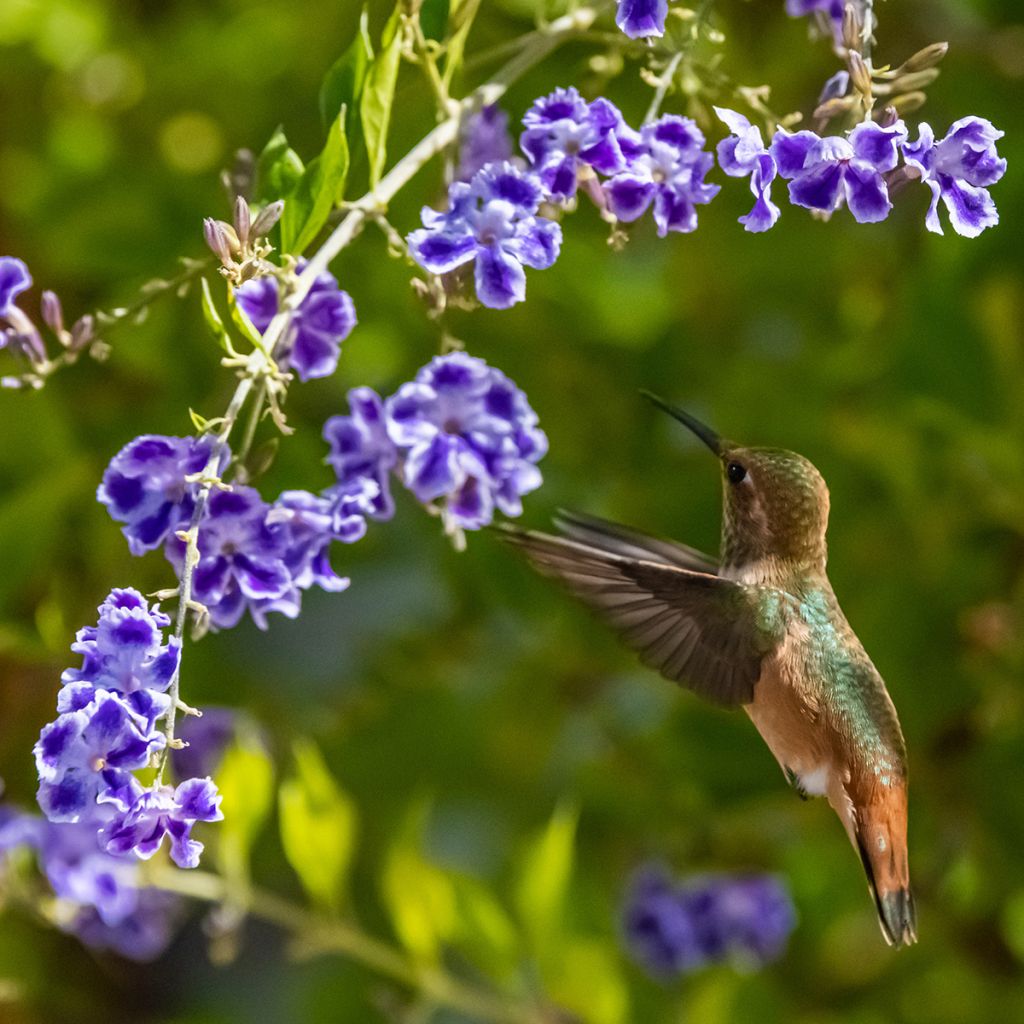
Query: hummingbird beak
x=706, y=434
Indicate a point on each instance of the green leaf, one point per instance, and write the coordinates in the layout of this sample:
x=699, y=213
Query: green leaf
x=320, y=189
x=244, y=324
x=343, y=84
x=434, y=18
x=419, y=896
x=318, y=826
x=246, y=783
x=484, y=932
x=463, y=12
x=213, y=319
x=278, y=169
x=587, y=978
x=544, y=880
x=378, y=95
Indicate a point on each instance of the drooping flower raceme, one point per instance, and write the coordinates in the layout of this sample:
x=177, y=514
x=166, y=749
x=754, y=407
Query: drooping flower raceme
x=146, y=487
x=563, y=132
x=744, y=154
x=492, y=223
x=673, y=929
x=107, y=729
x=825, y=172
x=957, y=169
x=668, y=171
x=468, y=437
x=639, y=19
x=324, y=319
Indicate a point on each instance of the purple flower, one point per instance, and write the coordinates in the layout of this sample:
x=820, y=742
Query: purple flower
x=85, y=757
x=801, y=8
x=241, y=556
x=483, y=139
x=825, y=172
x=161, y=812
x=957, y=169
x=145, y=486
x=673, y=928
x=125, y=653
x=324, y=319
x=564, y=131
x=668, y=171
x=306, y=525
x=641, y=18
x=14, y=279
x=142, y=935
x=491, y=223
x=469, y=437
x=743, y=154
x=361, y=449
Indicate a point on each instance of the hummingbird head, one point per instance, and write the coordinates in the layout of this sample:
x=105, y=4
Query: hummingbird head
x=775, y=502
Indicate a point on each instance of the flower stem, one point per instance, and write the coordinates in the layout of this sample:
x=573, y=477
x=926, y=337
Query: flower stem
x=372, y=203
x=326, y=934
x=664, y=84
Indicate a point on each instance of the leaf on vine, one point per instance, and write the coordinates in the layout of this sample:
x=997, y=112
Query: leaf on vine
x=214, y=321
x=461, y=17
x=278, y=169
x=343, y=84
x=318, y=826
x=318, y=191
x=378, y=95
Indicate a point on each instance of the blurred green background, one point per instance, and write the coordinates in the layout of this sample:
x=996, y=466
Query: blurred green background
x=891, y=357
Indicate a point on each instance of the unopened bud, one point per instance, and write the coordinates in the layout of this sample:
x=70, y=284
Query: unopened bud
x=852, y=27
x=908, y=102
x=243, y=219
x=220, y=238
x=926, y=58
x=267, y=218
x=916, y=80
x=83, y=332
x=889, y=117
x=860, y=74
x=53, y=315
x=835, y=87
x=834, y=108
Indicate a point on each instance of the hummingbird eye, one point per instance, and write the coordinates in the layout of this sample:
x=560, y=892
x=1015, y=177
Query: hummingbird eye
x=735, y=472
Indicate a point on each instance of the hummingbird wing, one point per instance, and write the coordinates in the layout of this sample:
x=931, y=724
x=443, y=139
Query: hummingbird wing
x=622, y=540
x=708, y=633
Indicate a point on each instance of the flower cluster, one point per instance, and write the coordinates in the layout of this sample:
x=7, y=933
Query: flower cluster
x=856, y=171
x=492, y=220
x=461, y=434
x=483, y=139
x=106, y=729
x=105, y=904
x=673, y=929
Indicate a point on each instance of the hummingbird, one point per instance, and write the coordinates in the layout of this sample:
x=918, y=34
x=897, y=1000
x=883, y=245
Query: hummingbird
x=759, y=629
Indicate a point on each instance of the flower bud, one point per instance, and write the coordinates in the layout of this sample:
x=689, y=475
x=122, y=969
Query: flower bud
x=242, y=218
x=860, y=74
x=835, y=87
x=53, y=315
x=83, y=332
x=908, y=102
x=926, y=58
x=834, y=107
x=267, y=218
x=852, y=27
x=220, y=238
x=914, y=81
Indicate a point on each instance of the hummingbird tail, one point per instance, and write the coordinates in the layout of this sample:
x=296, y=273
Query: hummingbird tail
x=883, y=852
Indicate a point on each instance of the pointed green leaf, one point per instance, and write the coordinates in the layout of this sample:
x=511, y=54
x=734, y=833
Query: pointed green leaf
x=320, y=189
x=246, y=783
x=419, y=896
x=343, y=84
x=544, y=881
x=318, y=826
x=378, y=95
x=278, y=169
x=213, y=319
x=244, y=324
x=587, y=978
x=485, y=933
x=463, y=13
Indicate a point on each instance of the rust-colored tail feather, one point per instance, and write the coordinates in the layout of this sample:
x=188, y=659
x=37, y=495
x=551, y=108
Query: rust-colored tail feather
x=885, y=865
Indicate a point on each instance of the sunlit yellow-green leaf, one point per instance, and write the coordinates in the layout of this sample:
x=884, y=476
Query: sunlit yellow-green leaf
x=318, y=826
x=246, y=783
x=378, y=95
